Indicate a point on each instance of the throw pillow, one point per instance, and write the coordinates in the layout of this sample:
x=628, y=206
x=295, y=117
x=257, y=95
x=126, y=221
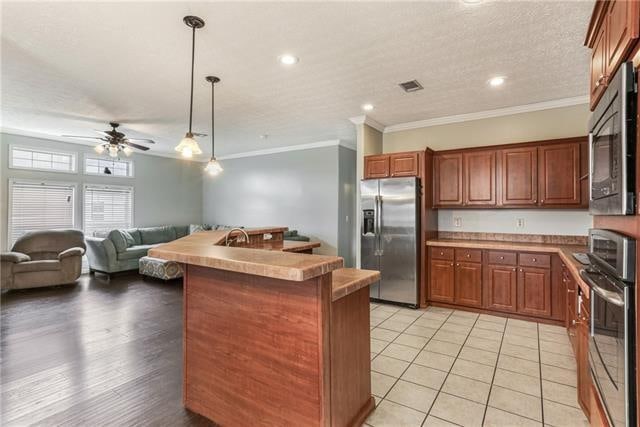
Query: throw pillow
x=119, y=240
x=195, y=228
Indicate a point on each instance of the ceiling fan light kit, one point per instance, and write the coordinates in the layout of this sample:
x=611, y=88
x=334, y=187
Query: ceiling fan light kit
x=114, y=142
x=188, y=146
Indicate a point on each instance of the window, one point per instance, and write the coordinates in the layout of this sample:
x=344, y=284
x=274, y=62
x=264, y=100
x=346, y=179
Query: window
x=107, y=207
x=108, y=167
x=39, y=206
x=37, y=159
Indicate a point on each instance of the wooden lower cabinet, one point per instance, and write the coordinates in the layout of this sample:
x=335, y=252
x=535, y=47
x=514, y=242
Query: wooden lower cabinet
x=441, y=282
x=582, y=358
x=534, y=291
x=504, y=281
x=571, y=317
x=468, y=284
x=500, y=283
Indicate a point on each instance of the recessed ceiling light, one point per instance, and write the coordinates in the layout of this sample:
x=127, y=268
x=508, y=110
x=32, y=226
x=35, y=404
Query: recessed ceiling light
x=471, y=1
x=367, y=107
x=288, y=59
x=496, y=81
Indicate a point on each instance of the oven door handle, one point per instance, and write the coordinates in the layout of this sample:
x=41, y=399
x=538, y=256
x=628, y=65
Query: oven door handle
x=609, y=296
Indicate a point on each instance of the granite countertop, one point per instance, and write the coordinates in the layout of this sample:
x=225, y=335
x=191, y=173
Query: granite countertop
x=348, y=280
x=564, y=251
x=203, y=249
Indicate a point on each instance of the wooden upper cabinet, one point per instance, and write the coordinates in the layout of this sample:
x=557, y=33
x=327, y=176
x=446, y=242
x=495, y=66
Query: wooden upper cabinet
x=519, y=173
x=612, y=34
x=598, y=74
x=559, y=174
x=447, y=186
x=479, y=178
x=376, y=166
x=622, y=31
x=404, y=164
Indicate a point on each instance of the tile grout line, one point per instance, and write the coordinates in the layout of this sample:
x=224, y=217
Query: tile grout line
x=495, y=369
x=452, y=365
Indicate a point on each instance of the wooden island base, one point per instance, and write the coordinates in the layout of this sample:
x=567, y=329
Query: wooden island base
x=266, y=351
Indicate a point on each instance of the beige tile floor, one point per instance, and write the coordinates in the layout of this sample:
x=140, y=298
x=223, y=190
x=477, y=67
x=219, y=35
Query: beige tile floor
x=441, y=367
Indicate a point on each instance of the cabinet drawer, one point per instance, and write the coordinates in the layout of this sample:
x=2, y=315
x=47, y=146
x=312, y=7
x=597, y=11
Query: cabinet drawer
x=535, y=260
x=469, y=255
x=442, y=253
x=502, y=258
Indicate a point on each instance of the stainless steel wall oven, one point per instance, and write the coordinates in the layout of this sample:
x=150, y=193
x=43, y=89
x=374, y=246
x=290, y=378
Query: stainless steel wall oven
x=611, y=278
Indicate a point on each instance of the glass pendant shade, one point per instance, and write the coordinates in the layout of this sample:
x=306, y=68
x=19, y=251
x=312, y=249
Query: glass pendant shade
x=214, y=167
x=188, y=146
x=113, y=151
x=127, y=151
x=99, y=149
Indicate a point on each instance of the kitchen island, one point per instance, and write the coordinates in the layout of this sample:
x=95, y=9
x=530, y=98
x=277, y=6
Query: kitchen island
x=272, y=337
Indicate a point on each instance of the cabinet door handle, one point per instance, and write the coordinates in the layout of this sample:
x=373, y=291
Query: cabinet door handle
x=534, y=260
x=458, y=265
x=501, y=257
x=520, y=270
x=441, y=253
x=451, y=264
x=468, y=255
x=514, y=269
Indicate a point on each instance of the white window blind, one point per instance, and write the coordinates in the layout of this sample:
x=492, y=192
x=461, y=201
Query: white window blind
x=39, y=206
x=107, y=208
x=108, y=167
x=31, y=158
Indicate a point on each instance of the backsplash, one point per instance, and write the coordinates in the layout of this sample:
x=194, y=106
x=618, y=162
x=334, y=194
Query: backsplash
x=513, y=237
x=516, y=221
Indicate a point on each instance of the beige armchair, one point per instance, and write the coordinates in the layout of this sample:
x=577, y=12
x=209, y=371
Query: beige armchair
x=43, y=258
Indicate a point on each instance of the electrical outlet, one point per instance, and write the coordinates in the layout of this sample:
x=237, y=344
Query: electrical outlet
x=520, y=222
x=457, y=221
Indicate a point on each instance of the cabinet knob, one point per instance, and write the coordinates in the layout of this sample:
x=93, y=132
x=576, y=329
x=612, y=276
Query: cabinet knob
x=468, y=255
x=441, y=253
x=520, y=270
x=451, y=264
x=457, y=265
x=501, y=257
x=534, y=260
x=573, y=322
x=514, y=269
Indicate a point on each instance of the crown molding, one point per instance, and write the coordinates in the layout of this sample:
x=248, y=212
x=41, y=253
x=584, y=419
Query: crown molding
x=57, y=138
x=539, y=106
x=359, y=120
x=320, y=144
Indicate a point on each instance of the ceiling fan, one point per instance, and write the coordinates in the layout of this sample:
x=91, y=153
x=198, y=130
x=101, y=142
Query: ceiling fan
x=115, y=142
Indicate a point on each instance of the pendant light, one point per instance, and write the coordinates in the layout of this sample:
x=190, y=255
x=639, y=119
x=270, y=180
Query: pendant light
x=188, y=145
x=213, y=168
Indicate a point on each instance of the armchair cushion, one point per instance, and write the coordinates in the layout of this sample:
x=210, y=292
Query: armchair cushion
x=135, y=252
x=71, y=252
x=15, y=257
x=36, y=266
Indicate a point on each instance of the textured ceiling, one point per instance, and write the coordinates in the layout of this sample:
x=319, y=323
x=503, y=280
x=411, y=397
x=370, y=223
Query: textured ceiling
x=72, y=67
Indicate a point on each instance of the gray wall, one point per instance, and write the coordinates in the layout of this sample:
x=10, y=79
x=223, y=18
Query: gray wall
x=347, y=205
x=166, y=191
x=305, y=190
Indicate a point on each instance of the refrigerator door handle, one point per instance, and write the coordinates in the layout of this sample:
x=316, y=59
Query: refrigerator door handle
x=380, y=250
x=376, y=229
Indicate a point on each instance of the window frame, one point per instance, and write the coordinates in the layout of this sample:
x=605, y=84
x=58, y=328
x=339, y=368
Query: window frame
x=73, y=154
x=88, y=156
x=84, y=194
x=13, y=181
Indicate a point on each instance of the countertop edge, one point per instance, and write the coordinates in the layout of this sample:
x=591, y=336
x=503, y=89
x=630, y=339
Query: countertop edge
x=346, y=281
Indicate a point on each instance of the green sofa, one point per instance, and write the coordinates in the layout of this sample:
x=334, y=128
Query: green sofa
x=121, y=250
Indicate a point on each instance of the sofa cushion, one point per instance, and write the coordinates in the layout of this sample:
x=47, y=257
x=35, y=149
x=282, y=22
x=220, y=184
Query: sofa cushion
x=34, y=266
x=195, y=228
x=136, y=236
x=121, y=239
x=135, y=252
x=153, y=235
x=181, y=230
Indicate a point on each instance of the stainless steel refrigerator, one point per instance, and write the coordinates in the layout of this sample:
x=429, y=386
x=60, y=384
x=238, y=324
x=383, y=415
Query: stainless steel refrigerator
x=389, y=237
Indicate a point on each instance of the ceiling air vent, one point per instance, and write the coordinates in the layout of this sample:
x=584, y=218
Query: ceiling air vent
x=411, y=86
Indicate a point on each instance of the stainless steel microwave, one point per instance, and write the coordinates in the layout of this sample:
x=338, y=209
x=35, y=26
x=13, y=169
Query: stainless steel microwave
x=612, y=147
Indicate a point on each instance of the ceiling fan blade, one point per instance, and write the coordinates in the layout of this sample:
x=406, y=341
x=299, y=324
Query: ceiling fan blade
x=139, y=147
x=83, y=137
x=102, y=132
x=148, y=141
